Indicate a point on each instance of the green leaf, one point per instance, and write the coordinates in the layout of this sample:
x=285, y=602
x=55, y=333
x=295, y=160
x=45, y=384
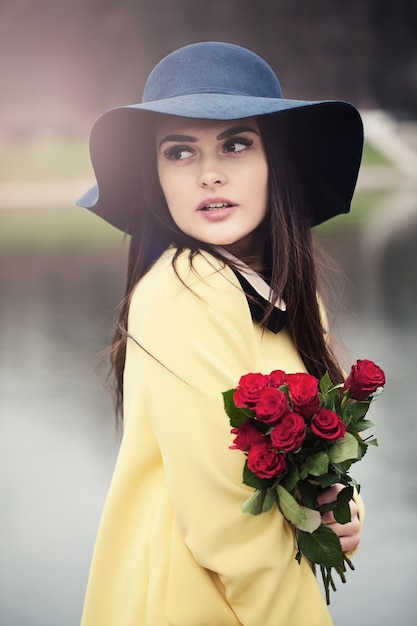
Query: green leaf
x=363, y=445
x=290, y=479
x=360, y=425
x=341, y=468
x=329, y=479
x=342, y=513
x=345, y=495
x=316, y=465
x=308, y=493
x=237, y=416
x=342, y=510
x=357, y=410
x=326, y=383
x=344, y=449
x=260, y=501
x=289, y=506
x=311, y=522
x=331, y=400
x=322, y=546
x=252, y=480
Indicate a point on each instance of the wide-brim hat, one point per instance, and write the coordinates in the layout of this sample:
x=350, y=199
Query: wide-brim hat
x=222, y=81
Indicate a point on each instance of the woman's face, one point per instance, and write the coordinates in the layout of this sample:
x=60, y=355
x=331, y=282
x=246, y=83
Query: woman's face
x=214, y=175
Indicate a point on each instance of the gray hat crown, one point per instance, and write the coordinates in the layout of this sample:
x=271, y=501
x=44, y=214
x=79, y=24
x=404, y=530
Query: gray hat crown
x=211, y=67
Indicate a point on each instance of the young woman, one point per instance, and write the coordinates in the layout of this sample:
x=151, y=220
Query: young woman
x=218, y=180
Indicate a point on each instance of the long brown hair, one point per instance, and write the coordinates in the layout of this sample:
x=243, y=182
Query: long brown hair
x=290, y=255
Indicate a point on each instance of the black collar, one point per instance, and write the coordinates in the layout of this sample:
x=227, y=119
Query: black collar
x=258, y=304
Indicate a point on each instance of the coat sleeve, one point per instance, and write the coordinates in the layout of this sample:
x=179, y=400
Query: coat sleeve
x=196, y=339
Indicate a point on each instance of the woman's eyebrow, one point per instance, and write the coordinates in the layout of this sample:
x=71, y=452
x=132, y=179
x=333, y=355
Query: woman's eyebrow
x=178, y=138
x=229, y=132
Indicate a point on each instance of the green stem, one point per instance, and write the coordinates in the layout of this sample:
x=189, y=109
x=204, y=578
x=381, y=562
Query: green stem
x=349, y=562
x=341, y=571
x=344, y=401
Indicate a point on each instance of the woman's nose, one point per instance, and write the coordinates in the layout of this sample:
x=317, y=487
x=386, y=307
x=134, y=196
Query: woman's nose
x=210, y=176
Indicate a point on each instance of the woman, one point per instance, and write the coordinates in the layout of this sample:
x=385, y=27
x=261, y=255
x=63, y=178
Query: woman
x=218, y=181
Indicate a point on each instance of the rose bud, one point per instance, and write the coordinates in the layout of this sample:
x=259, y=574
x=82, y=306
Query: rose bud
x=289, y=433
x=247, y=435
x=248, y=390
x=265, y=462
x=272, y=405
x=365, y=377
x=277, y=378
x=304, y=393
x=328, y=425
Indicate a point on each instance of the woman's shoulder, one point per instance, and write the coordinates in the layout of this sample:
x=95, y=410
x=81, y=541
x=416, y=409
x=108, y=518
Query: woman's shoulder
x=200, y=273
x=181, y=290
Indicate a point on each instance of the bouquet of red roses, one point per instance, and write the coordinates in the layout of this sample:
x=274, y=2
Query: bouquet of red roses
x=300, y=436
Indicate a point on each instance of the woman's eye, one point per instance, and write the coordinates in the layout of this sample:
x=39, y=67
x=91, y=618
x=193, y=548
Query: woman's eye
x=177, y=153
x=238, y=144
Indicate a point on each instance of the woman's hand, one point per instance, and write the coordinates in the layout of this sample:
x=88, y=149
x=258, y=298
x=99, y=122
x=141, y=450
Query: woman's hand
x=349, y=534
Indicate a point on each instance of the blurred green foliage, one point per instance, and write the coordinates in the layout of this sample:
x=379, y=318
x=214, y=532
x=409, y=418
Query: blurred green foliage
x=371, y=156
x=45, y=160
x=67, y=227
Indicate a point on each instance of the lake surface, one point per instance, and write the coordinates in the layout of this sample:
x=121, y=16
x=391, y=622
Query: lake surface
x=59, y=442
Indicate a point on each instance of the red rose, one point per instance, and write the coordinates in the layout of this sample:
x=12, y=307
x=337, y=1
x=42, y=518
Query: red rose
x=266, y=462
x=365, y=377
x=277, y=378
x=272, y=405
x=289, y=433
x=304, y=393
x=328, y=425
x=248, y=390
x=247, y=435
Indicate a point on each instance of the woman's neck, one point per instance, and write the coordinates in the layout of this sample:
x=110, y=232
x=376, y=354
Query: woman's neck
x=251, y=249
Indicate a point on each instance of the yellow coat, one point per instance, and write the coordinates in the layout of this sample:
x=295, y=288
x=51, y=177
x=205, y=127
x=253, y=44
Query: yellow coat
x=174, y=546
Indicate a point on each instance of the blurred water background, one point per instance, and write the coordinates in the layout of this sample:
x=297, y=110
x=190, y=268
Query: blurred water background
x=62, y=272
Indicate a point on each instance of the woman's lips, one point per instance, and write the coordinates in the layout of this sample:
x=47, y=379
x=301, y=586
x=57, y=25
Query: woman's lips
x=216, y=208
